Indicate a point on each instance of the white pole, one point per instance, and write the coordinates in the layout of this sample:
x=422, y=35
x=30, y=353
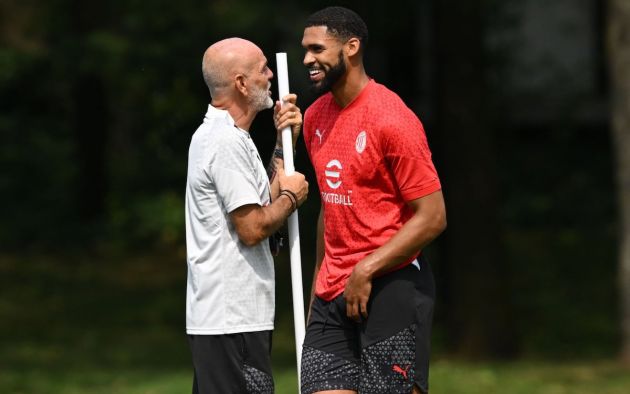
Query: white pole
x=294, y=231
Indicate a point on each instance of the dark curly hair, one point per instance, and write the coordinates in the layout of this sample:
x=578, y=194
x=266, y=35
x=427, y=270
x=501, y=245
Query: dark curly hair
x=342, y=23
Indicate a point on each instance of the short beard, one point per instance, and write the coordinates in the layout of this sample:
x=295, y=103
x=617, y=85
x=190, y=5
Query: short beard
x=260, y=100
x=331, y=77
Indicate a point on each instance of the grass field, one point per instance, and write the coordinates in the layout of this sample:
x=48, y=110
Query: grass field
x=115, y=325
x=446, y=377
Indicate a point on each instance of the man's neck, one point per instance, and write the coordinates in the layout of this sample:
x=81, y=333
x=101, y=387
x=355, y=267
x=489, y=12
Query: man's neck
x=349, y=87
x=243, y=116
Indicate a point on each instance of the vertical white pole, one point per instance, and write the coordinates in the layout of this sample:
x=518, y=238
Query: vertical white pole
x=294, y=231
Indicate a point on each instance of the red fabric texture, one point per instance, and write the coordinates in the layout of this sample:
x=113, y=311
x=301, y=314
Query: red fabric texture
x=370, y=158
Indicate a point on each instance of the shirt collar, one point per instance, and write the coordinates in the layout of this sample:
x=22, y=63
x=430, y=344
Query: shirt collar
x=215, y=113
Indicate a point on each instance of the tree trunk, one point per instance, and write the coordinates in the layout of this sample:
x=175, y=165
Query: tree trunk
x=476, y=274
x=618, y=44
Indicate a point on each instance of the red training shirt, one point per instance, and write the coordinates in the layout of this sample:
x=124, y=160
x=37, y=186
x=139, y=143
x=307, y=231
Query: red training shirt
x=370, y=158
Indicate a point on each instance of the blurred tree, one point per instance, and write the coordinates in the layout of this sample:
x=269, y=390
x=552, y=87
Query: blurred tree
x=476, y=299
x=619, y=58
x=91, y=116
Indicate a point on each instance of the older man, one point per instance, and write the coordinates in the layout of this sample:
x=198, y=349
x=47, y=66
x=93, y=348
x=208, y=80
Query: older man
x=232, y=207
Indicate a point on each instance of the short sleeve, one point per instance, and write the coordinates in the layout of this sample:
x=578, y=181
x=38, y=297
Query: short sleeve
x=232, y=172
x=407, y=153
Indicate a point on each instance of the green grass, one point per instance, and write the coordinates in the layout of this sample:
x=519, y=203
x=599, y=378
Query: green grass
x=89, y=324
x=530, y=377
x=446, y=377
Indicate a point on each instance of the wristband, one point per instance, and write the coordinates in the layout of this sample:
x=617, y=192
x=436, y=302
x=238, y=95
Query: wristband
x=292, y=197
x=293, y=205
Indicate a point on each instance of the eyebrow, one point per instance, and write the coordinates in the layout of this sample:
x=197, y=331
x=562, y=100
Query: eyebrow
x=314, y=46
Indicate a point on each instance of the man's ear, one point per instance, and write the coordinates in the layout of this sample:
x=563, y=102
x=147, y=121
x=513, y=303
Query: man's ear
x=353, y=45
x=240, y=84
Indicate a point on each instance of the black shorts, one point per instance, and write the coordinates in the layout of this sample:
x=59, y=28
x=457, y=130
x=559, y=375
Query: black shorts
x=386, y=353
x=232, y=363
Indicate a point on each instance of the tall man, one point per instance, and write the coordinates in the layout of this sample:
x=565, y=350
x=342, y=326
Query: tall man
x=371, y=312
x=231, y=211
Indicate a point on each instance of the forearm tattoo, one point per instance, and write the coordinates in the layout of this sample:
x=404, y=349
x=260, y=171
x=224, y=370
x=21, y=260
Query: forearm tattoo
x=271, y=169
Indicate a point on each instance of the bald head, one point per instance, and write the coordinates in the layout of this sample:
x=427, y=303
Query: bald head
x=225, y=59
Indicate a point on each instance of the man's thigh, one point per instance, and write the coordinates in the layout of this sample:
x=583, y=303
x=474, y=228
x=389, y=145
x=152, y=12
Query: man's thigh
x=232, y=363
x=395, y=338
x=330, y=355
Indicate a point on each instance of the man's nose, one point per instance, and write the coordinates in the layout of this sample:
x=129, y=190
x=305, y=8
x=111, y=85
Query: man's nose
x=308, y=59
